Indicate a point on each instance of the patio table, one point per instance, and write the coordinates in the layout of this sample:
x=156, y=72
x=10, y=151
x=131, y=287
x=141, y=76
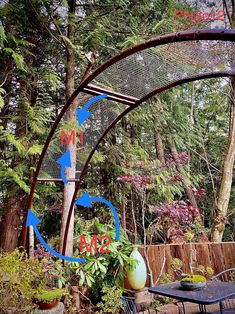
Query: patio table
x=213, y=292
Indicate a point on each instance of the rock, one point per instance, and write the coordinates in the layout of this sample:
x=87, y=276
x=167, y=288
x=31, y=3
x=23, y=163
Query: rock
x=143, y=296
x=59, y=309
x=168, y=309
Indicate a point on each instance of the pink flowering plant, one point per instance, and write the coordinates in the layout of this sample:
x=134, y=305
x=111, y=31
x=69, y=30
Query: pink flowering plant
x=175, y=218
x=55, y=273
x=177, y=159
x=164, y=185
x=138, y=181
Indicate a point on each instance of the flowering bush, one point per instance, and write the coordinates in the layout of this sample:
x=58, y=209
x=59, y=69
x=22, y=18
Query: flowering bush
x=140, y=182
x=177, y=159
x=176, y=178
x=198, y=193
x=175, y=218
x=178, y=211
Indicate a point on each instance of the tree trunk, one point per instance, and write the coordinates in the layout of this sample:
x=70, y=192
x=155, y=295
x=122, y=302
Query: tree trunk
x=124, y=210
x=69, y=188
x=221, y=208
x=9, y=224
x=188, y=190
x=180, y=168
x=134, y=219
x=220, y=216
x=31, y=242
x=159, y=148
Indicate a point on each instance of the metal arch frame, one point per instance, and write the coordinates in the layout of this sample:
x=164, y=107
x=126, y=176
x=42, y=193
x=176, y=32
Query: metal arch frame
x=215, y=34
x=151, y=94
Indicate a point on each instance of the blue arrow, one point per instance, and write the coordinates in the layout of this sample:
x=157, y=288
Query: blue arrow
x=64, y=161
x=83, y=114
x=32, y=220
x=85, y=200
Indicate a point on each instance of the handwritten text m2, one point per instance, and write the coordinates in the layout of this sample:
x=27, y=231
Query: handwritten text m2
x=94, y=244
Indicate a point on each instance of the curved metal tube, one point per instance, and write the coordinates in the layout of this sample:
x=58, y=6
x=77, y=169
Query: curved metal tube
x=151, y=94
x=224, y=35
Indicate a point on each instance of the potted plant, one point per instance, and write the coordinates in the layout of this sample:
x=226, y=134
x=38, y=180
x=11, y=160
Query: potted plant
x=191, y=281
x=55, y=277
x=47, y=299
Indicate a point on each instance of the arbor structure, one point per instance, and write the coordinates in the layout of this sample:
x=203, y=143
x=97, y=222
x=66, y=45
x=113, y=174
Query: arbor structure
x=130, y=79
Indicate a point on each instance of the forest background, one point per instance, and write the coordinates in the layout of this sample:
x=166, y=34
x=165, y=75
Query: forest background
x=167, y=167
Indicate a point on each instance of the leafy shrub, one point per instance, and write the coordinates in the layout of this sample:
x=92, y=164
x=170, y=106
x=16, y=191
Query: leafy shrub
x=175, y=218
x=102, y=269
x=55, y=274
x=20, y=280
x=160, y=301
x=111, y=301
x=208, y=272
x=174, y=272
x=108, y=269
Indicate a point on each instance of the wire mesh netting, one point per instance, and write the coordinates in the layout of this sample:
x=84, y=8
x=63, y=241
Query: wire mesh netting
x=79, y=140
x=136, y=75
x=153, y=68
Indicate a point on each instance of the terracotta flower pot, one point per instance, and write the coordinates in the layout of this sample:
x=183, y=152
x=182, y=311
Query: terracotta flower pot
x=46, y=306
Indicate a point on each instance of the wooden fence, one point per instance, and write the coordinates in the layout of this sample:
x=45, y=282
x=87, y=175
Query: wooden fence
x=218, y=256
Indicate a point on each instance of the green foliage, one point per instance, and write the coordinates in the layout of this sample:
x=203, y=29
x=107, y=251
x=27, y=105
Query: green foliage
x=98, y=157
x=50, y=295
x=206, y=271
x=2, y=35
x=18, y=58
x=111, y=301
x=53, y=79
x=55, y=273
x=176, y=264
x=21, y=149
x=174, y=272
x=2, y=93
x=101, y=269
x=166, y=278
x=189, y=235
x=20, y=280
x=155, y=304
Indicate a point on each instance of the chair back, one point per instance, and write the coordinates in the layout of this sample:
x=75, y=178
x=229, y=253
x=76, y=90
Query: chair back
x=129, y=305
x=226, y=275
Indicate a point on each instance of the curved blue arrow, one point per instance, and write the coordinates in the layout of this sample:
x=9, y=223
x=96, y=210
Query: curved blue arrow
x=64, y=161
x=85, y=200
x=83, y=114
x=32, y=220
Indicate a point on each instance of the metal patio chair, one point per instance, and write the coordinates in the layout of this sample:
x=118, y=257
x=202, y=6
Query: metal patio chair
x=227, y=275
x=129, y=305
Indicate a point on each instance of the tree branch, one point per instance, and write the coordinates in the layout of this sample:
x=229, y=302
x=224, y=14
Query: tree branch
x=227, y=12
